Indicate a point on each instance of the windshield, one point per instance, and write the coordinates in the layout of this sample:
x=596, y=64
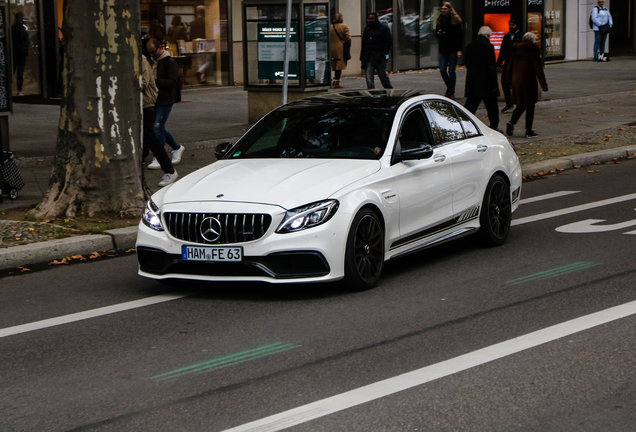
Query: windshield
x=329, y=132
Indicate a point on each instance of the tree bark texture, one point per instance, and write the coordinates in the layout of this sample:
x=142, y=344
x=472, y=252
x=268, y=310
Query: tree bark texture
x=97, y=166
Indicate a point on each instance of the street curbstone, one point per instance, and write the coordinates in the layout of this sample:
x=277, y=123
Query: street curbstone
x=123, y=238
x=591, y=158
x=546, y=166
x=53, y=249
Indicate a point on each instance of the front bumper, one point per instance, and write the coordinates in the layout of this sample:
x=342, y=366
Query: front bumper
x=312, y=255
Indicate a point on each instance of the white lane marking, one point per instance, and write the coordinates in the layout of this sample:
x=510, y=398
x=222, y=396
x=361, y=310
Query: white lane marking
x=589, y=226
x=418, y=377
x=574, y=209
x=547, y=196
x=79, y=316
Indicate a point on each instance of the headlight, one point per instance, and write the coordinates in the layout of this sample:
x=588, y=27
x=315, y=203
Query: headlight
x=152, y=216
x=308, y=216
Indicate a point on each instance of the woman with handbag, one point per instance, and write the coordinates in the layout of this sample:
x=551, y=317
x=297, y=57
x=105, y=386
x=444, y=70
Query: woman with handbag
x=602, y=24
x=340, y=48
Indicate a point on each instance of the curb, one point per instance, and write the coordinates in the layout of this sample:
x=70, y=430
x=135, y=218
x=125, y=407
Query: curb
x=125, y=238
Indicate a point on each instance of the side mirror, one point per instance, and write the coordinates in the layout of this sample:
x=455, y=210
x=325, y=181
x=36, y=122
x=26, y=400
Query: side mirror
x=413, y=150
x=221, y=149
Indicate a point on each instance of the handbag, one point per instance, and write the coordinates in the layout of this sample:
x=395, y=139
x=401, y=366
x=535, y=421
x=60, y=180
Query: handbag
x=346, y=47
x=605, y=28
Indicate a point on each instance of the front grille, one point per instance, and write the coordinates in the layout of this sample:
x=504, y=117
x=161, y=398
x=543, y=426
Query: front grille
x=235, y=227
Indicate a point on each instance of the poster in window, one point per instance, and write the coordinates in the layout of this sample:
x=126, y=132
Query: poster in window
x=554, y=44
x=498, y=23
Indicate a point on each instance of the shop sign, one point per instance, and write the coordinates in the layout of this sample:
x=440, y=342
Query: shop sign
x=497, y=3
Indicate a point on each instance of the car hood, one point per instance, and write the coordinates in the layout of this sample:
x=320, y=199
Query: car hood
x=287, y=183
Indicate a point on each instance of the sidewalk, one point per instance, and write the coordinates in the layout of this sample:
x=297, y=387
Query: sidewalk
x=583, y=97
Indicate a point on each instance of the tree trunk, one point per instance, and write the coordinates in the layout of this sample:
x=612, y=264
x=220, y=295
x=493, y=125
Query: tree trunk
x=97, y=167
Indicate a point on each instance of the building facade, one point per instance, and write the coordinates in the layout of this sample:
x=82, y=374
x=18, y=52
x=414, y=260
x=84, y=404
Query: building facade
x=208, y=37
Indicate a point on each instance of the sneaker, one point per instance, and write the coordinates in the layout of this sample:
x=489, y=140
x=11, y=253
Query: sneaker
x=531, y=134
x=510, y=128
x=154, y=164
x=168, y=178
x=507, y=108
x=176, y=155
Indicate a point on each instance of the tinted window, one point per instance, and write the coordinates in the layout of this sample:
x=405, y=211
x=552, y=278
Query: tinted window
x=469, y=127
x=329, y=132
x=413, y=128
x=444, y=122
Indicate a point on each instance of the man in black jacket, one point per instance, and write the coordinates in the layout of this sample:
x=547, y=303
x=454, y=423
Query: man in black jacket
x=166, y=73
x=376, y=44
x=481, y=76
x=513, y=36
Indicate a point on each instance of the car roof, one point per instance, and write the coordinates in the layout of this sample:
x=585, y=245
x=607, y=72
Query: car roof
x=387, y=99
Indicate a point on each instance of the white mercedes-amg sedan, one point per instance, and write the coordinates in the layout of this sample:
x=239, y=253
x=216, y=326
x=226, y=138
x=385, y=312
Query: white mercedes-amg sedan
x=332, y=187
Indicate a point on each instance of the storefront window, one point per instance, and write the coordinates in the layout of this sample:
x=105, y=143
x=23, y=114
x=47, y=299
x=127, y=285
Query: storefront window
x=195, y=34
x=25, y=41
x=554, y=45
x=317, y=44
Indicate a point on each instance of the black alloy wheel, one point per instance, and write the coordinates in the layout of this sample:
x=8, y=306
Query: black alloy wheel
x=364, y=257
x=496, y=212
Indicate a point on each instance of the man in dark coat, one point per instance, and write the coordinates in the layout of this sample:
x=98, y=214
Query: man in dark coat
x=481, y=76
x=20, y=40
x=523, y=72
x=376, y=44
x=513, y=36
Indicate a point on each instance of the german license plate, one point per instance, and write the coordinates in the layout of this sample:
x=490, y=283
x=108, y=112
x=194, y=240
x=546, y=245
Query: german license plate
x=206, y=253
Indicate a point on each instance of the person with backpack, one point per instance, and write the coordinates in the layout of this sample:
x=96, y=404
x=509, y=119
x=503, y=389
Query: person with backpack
x=151, y=143
x=601, y=22
x=166, y=72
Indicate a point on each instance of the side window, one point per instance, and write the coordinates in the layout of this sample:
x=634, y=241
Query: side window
x=445, y=124
x=412, y=129
x=469, y=127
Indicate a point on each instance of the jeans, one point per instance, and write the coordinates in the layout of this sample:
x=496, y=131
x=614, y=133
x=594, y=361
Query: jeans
x=151, y=143
x=161, y=117
x=599, y=43
x=448, y=61
x=380, y=67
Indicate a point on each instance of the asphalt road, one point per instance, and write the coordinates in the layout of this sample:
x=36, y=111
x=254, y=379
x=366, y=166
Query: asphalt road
x=214, y=357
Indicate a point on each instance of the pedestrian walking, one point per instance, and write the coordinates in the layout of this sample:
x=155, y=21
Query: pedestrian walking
x=340, y=47
x=601, y=24
x=513, y=36
x=522, y=75
x=481, y=76
x=151, y=143
x=450, y=36
x=376, y=45
x=20, y=43
x=166, y=72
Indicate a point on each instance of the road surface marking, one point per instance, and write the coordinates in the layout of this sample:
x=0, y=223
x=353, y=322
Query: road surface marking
x=574, y=209
x=547, y=196
x=79, y=316
x=553, y=273
x=590, y=226
x=226, y=361
x=427, y=374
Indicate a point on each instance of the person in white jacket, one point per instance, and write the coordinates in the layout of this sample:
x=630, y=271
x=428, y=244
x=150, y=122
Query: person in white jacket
x=601, y=18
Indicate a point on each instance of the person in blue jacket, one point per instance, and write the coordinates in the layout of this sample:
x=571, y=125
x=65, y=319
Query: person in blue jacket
x=602, y=23
x=376, y=44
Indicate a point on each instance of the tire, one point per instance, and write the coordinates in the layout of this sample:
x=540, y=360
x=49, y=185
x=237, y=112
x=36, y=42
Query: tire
x=364, y=256
x=496, y=213
x=13, y=194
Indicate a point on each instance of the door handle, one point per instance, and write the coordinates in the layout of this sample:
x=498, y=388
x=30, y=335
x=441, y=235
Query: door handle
x=482, y=148
x=439, y=158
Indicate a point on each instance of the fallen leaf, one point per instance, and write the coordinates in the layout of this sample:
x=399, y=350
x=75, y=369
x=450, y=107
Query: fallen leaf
x=131, y=250
x=31, y=229
x=24, y=269
x=48, y=220
x=621, y=128
x=56, y=262
x=539, y=154
x=94, y=255
x=564, y=154
x=78, y=257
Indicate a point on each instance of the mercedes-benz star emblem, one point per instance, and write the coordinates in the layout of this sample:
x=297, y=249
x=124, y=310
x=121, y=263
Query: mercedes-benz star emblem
x=210, y=229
